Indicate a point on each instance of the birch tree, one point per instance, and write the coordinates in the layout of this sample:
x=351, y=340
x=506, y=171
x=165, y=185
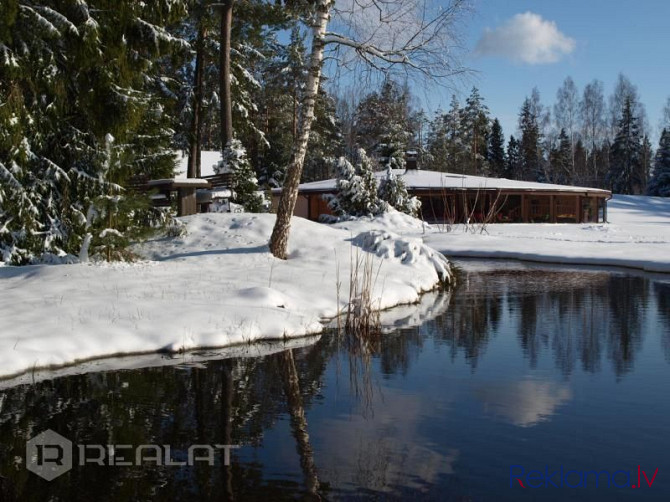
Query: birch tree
x=413, y=36
x=565, y=116
x=592, y=112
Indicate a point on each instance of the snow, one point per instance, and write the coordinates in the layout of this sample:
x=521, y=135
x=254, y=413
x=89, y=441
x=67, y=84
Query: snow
x=218, y=285
x=215, y=286
x=182, y=181
x=208, y=160
x=637, y=236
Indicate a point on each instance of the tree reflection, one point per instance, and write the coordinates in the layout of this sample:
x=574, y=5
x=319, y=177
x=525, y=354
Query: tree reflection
x=229, y=402
x=576, y=316
x=662, y=290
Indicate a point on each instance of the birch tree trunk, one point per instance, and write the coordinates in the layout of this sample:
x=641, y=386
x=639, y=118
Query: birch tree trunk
x=224, y=70
x=289, y=194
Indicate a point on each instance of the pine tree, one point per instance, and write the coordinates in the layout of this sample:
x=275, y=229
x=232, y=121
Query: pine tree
x=496, y=151
x=393, y=191
x=626, y=153
x=659, y=184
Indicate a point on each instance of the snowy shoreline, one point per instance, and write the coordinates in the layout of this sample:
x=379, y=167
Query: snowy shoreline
x=217, y=286
x=636, y=237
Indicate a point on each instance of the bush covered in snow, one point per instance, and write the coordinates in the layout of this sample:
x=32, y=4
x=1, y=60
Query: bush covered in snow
x=356, y=188
x=393, y=191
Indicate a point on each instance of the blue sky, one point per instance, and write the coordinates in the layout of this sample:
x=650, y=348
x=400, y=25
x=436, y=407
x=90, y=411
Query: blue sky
x=584, y=39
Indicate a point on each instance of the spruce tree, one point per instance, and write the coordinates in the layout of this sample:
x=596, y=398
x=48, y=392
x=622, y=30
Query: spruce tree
x=513, y=166
x=561, y=161
x=626, y=153
x=496, y=151
x=659, y=184
x=70, y=75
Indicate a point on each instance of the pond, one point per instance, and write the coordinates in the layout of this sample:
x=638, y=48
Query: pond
x=524, y=383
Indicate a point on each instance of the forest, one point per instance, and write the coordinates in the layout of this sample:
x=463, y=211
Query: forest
x=97, y=93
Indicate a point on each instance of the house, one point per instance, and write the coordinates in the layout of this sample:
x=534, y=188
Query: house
x=457, y=198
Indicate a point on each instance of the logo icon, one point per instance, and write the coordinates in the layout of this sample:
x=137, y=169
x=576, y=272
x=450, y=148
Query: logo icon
x=49, y=455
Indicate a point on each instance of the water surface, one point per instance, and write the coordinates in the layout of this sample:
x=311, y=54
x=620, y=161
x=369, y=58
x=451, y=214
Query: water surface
x=533, y=367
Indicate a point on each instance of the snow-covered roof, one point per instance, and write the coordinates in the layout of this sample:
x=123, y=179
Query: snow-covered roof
x=417, y=179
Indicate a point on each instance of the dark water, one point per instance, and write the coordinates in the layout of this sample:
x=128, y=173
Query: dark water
x=537, y=369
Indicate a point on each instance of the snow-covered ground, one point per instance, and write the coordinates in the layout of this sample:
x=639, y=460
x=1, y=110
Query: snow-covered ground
x=637, y=236
x=216, y=286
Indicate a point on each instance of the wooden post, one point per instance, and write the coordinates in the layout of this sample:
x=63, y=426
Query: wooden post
x=524, y=208
x=552, y=209
x=187, y=203
x=578, y=210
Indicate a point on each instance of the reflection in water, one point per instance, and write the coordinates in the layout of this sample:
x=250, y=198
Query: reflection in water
x=579, y=316
x=662, y=290
x=436, y=410
x=523, y=403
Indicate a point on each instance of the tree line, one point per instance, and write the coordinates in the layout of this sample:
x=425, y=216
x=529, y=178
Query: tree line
x=581, y=140
x=96, y=94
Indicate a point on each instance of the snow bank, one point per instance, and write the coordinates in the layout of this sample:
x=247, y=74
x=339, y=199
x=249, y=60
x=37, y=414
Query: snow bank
x=637, y=236
x=216, y=286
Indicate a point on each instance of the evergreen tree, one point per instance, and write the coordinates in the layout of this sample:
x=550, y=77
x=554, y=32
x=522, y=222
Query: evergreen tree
x=514, y=163
x=645, y=166
x=70, y=75
x=357, y=190
x=456, y=147
x=659, y=184
x=384, y=124
x=393, y=191
x=626, y=153
x=436, y=144
x=561, y=161
x=474, y=125
x=496, y=151
x=530, y=142
x=581, y=164
x=245, y=184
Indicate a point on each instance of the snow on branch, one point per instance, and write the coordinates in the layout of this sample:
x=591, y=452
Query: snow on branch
x=8, y=177
x=43, y=22
x=58, y=19
x=160, y=34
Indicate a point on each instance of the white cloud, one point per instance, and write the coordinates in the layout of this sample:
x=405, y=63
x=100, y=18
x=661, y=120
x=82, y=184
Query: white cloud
x=526, y=38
